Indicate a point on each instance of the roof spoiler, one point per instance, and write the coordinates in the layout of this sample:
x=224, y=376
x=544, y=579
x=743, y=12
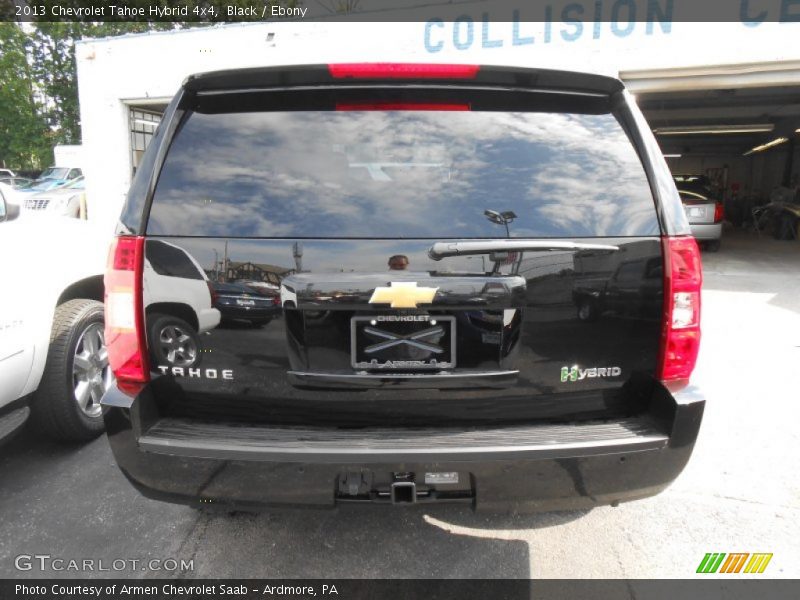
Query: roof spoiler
x=370, y=74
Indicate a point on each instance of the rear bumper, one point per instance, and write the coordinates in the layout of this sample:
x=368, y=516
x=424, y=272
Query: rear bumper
x=541, y=467
x=705, y=232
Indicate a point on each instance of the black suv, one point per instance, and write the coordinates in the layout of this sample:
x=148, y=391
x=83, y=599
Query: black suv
x=428, y=225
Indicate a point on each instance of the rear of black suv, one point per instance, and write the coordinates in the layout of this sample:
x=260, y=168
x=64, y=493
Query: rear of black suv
x=440, y=234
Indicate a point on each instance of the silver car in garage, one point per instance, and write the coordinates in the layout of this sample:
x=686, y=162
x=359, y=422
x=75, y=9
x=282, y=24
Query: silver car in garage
x=704, y=212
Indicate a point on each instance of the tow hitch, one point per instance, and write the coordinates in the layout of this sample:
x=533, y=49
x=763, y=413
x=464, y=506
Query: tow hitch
x=404, y=492
x=402, y=487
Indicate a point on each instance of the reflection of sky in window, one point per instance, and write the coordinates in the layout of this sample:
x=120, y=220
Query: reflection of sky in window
x=401, y=174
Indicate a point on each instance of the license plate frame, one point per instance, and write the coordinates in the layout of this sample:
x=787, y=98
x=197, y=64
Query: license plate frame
x=446, y=360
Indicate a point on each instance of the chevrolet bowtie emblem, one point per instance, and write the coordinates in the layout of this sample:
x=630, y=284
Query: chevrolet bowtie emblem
x=403, y=294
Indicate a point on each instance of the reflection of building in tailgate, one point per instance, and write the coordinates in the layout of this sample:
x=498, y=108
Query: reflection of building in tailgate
x=548, y=276
x=238, y=271
x=625, y=282
x=537, y=264
x=553, y=277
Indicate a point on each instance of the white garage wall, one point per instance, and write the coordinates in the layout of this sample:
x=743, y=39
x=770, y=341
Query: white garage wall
x=113, y=73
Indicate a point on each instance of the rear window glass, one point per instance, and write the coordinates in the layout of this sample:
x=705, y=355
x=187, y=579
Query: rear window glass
x=402, y=174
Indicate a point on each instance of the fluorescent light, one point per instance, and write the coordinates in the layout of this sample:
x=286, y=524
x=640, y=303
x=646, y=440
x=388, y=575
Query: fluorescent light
x=762, y=147
x=673, y=155
x=715, y=129
x=145, y=122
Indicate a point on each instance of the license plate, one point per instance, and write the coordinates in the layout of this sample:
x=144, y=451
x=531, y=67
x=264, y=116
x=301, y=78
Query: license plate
x=403, y=342
x=694, y=211
x=246, y=302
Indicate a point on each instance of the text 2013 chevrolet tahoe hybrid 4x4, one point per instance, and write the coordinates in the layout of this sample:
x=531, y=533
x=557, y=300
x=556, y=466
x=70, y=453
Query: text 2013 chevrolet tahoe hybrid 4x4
x=430, y=226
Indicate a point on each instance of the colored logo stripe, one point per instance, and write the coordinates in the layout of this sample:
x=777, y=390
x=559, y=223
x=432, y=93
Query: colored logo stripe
x=733, y=564
x=710, y=562
x=758, y=563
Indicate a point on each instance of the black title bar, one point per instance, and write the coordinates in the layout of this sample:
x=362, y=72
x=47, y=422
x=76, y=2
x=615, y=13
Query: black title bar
x=749, y=12
x=389, y=589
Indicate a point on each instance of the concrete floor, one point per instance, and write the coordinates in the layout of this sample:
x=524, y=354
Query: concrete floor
x=739, y=493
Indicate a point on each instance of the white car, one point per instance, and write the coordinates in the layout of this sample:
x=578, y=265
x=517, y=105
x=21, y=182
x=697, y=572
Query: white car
x=63, y=201
x=11, y=195
x=179, y=305
x=53, y=359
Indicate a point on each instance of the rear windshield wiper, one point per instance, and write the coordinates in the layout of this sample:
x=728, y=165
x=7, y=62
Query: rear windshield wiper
x=442, y=250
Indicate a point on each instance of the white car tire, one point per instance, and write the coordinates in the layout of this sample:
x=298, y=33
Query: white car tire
x=66, y=406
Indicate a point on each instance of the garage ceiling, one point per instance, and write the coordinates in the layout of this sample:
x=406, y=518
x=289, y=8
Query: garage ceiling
x=778, y=107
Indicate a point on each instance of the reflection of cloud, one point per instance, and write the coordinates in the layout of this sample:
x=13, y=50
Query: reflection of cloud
x=195, y=216
x=606, y=188
x=291, y=175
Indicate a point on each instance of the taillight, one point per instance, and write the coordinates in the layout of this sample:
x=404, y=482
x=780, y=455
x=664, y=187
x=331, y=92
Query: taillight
x=719, y=212
x=212, y=292
x=402, y=71
x=125, y=337
x=680, y=338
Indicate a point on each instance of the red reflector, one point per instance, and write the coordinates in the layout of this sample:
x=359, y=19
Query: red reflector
x=124, y=314
x=680, y=339
x=684, y=268
x=403, y=71
x=401, y=106
x=719, y=212
x=123, y=254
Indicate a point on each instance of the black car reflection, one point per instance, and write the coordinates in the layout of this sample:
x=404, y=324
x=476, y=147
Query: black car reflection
x=634, y=290
x=481, y=326
x=239, y=302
